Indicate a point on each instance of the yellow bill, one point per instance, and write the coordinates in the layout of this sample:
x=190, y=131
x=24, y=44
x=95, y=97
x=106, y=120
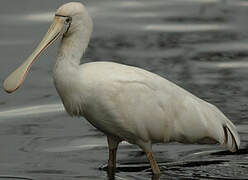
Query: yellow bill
x=16, y=78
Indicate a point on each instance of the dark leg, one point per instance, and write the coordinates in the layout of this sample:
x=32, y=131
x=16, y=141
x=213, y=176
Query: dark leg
x=153, y=163
x=112, y=158
x=113, y=143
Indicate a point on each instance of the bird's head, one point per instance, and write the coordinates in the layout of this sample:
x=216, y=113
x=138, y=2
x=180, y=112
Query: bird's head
x=74, y=16
x=68, y=19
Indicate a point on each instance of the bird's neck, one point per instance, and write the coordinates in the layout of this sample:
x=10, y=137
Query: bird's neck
x=69, y=53
x=72, y=48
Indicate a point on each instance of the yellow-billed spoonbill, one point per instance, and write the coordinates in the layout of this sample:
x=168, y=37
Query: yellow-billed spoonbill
x=124, y=102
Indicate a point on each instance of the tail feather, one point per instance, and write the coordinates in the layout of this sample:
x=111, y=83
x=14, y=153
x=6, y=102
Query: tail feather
x=231, y=137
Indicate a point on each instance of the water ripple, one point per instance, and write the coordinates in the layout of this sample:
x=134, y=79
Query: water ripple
x=32, y=110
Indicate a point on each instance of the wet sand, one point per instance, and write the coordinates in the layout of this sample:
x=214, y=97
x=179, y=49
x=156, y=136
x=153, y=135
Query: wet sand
x=200, y=45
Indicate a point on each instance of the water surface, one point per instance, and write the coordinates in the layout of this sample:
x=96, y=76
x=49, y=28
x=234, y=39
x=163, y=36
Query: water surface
x=200, y=45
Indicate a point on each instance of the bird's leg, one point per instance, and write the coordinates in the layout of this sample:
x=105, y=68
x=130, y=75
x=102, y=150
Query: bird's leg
x=155, y=176
x=113, y=143
x=112, y=158
x=153, y=163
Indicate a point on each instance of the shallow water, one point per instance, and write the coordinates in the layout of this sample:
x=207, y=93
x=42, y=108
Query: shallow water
x=199, y=44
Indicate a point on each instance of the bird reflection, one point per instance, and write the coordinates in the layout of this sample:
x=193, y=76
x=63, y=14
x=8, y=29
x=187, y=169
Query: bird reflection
x=111, y=175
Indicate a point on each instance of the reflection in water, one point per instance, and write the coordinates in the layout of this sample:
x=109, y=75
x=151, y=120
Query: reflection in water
x=242, y=64
x=11, y=19
x=238, y=3
x=14, y=178
x=32, y=110
x=131, y=4
x=222, y=47
x=41, y=17
x=155, y=177
x=112, y=173
x=186, y=27
x=14, y=42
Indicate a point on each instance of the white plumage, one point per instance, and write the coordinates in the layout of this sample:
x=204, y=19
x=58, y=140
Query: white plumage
x=129, y=103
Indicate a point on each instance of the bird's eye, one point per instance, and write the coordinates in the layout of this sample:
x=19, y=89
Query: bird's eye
x=68, y=20
x=67, y=24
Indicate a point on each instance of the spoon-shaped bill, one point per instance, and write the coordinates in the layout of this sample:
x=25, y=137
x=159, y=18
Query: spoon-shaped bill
x=16, y=78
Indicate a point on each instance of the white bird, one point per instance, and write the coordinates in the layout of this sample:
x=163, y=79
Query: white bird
x=126, y=103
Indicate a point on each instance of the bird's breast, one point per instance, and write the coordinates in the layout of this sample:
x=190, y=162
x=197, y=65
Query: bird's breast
x=71, y=92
